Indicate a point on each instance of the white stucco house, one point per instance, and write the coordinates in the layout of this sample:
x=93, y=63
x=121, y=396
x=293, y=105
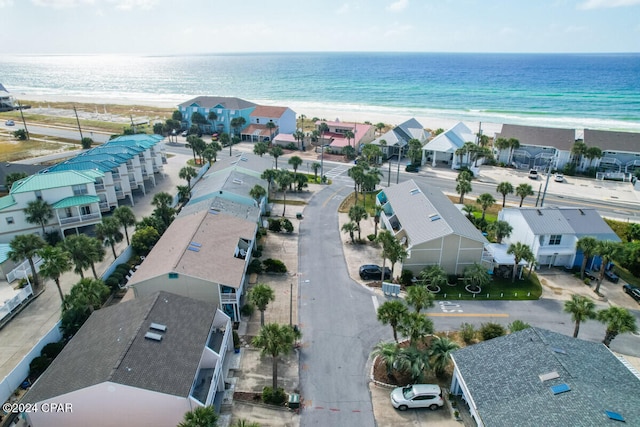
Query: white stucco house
x=442, y=148
x=552, y=232
x=434, y=231
x=143, y=362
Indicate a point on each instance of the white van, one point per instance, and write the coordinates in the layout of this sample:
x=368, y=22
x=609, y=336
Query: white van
x=533, y=174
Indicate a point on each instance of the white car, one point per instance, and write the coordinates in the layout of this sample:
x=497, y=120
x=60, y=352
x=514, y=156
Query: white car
x=417, y=396
x=9, y=123
x=558, y=178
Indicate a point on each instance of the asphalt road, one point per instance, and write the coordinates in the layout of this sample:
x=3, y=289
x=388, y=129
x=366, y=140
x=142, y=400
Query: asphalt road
x=338, y=322
x=58, y=132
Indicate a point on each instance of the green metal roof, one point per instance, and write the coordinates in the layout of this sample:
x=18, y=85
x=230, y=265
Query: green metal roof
x=76, y=201
x=6, y=201
x=5, y=248
x=50, y=180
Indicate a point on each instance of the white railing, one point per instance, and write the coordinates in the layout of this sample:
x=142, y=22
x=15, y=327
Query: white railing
x=10, y=304
x=23, y=270
x=99, y=187
x=228, y=298
x=81, y=218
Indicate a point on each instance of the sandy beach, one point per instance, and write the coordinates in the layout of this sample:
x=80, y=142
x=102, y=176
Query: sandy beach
x=352, y=113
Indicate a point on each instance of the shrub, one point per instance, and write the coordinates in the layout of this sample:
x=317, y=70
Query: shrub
x=286, y=225
x=117, y=275
x=468, y=333
x=518, y=325
x=275, y=225
x=52, y=238
x=51, y=350
x=255, y=266
x=371, y=237
x=247, y=309
x=236, y=339
x=123, y=269
x=273, y=397
x=291, y=146
x=587, y=281
x=274, y=266
x=112, y=283
x=406, y=277
x=491, y=330
x=38, y=366
x=261, y=232
x=452, y=278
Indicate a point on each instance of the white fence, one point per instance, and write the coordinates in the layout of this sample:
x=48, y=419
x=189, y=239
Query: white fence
x=11, y=304
x=13, y=380
x=24, y=269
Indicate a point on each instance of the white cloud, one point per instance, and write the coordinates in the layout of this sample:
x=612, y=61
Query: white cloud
x=6, y=3
x=343, y=10
x=61, y=4
x=600, y=4
x=398, y=5
x=134, y=4
x=119, y=4
x=574, y=29
x=397, y=30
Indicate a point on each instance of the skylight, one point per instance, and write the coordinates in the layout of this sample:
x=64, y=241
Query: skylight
x=560, y=388
x=158, y=327
x=153, y=336
x=548, y=376
x=614, y=416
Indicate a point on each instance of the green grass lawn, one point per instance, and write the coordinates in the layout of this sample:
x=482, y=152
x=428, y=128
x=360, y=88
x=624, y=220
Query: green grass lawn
x=499, y=289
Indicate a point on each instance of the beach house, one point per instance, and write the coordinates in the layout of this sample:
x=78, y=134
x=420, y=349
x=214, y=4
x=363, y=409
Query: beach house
x=146, y=361
x=552, y=232
x=442, y=150
x=432, y=229
x=7, y=102
x=536, y=377
x=342, y=134
x=215, y=113
x=620, y=152
x=267, y=122
x=395, y=141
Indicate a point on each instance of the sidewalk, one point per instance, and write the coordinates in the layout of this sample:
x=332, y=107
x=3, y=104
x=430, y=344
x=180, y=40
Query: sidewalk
x=25, y=330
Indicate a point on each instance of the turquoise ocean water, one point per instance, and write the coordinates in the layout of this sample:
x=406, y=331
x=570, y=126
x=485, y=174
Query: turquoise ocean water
x=599, y=91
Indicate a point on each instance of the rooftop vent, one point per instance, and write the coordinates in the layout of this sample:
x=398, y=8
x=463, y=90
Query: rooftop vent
x=434, y=217
x=153, y=336
x=237, y=181
x=414, y=191
x=158, y=327
x=548, y=376
x=195, y=247
x=539, y=211
x=581, y=212
x=559, y=350
x=213, y=211
x=560, y=388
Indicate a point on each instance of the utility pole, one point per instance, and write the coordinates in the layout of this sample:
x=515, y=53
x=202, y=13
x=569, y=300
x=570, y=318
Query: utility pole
x=291, y=304
x=322, y=157
x=399, y=158
x=544, y=193
x=24, y=123
x=78, y=120
x=389, y=177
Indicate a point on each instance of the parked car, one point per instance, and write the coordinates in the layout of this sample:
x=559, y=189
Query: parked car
x=533, y=174
x=558, y=177
x=632, y=291
x=611, y=276
x=417, y=396
x=371, y=271
x=590, y=275
x=184, y=133
x=9, y=123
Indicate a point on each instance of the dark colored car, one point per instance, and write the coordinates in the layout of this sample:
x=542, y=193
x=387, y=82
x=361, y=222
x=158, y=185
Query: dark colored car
x=633, y=291
x=590, y=275
x=371, y=271
x=611, y=276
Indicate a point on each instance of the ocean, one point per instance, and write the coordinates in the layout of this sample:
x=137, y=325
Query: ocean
x=596, y=91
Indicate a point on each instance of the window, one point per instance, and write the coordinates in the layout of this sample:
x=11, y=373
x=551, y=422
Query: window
x=38, y=194
x=10, y=220
x=79, y=190
x=85, y=210
x=554, y=239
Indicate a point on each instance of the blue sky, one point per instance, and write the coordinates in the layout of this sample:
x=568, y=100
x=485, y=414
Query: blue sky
x=168, y=27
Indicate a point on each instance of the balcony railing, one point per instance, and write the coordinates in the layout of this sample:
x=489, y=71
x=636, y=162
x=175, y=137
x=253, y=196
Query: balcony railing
x=228, y=298
x=99, y=187
x=80, y=218
x=104, y=206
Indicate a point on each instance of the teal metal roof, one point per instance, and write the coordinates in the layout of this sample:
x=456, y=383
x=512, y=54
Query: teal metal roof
x=76, y=201
x=6, y=201
x=50, y=180
x=83, y=166
x=4, y=252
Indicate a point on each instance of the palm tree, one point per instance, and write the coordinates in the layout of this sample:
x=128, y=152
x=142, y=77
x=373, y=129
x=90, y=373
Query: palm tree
x=608, y=251
x=260, y=148
x=126, y=218
x=440, y=354
x=514, y=144
x=225, y=140
x=581, y=309
x=593, y=153
x=187, y=173
x=379, y=127
x=358, y=213
x=414, y=151
x=463, y=187
x=504, y=188
x=349, y=135
x=501, y=229
x=390, y=313
x=415, y=326
x=258, y=192
x=26, y=246
x=95, y=253
x=275, y=340
x=237, y=124
x=184, y=193
x=109, y=232
x=76, y=246
x=276, y=151
x=55, y=262
x=388, y=352
x=350, y=227
x=212, y=116
x=260, y=296
x=295, y=162
x=419, y=297
x=38, y=212
x=271, y=126
x=485, y=200
x=284, y=179
x=316, y=167
x=618, y=321
x=469, y=209
x=376, y=219
x=201, y=416
x=163, y=210
x=519, y=251
x=522, y=191
x=414, y=362
x=299, y=137
x=192, y=144
x=477, y=276
x=587, y=245
x=433, y=276
x=578, y=150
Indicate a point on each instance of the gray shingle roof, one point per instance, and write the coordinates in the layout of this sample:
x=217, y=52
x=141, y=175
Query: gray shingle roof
x=613, y=141
x=562, y=139
x=546, y=221
x=502, y=376
x=413, y=210
x=111, y=346
x=588, y=222
x=229, y=103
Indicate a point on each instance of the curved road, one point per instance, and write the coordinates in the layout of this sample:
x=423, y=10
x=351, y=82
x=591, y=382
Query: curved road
x=338, y=322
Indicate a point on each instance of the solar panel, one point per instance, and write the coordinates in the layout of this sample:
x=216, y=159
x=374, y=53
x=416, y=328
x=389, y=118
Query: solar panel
x=614, y=416
x=197, y=245
x=560, y=388
x=194, y=249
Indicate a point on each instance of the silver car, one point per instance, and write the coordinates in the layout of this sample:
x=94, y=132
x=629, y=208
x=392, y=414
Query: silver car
x=417, y=396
